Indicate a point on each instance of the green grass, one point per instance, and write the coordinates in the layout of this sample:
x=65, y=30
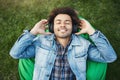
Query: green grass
x=17, y=15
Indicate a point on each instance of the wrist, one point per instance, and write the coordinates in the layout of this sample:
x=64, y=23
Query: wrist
x=33, y=32
x=91, y=32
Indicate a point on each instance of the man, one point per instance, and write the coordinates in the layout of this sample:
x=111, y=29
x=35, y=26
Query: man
x=62, y=55
x=94, y=70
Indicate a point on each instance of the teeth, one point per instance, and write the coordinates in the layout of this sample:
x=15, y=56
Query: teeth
x=63, y=30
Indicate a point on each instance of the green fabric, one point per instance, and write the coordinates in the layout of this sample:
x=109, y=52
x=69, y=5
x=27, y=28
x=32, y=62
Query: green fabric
x=96, y=70
x=25, y=68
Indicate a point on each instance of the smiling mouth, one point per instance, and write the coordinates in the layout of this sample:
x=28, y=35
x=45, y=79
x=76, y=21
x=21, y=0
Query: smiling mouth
x=63, y=30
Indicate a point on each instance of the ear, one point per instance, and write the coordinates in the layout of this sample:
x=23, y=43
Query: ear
x=75, y=29
x=50, y=25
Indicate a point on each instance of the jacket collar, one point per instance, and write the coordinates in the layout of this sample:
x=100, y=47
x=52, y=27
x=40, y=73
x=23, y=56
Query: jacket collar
x=76, y=41
x=50, y=37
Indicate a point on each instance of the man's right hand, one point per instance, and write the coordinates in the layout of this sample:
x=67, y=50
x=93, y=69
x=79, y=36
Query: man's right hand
x=39, y=28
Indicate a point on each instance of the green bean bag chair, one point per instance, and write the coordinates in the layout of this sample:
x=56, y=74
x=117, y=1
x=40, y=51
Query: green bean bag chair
x=95, y=70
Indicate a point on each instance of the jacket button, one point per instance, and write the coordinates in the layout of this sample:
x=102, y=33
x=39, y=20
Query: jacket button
x=47, y=75
x=50, y=63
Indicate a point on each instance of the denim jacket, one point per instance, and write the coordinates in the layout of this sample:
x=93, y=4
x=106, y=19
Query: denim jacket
x=43, y=48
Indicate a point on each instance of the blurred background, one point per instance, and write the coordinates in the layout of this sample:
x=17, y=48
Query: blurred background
x=17, y=15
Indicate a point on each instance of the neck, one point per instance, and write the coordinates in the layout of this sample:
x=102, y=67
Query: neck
x=63, y=41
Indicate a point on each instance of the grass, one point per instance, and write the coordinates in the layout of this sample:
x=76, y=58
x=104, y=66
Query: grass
x=17, y=15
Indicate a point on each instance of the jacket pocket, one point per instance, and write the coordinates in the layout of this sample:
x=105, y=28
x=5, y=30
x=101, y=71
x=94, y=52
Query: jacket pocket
x=80, y=59
x=41, y=57
x=81, y=64
x=81, y=54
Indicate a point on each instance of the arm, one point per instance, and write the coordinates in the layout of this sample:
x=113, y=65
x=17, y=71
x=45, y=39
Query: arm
x=25, y=45
x=101, y=50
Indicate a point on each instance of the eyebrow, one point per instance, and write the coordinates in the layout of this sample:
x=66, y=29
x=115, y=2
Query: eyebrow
x=60, y=20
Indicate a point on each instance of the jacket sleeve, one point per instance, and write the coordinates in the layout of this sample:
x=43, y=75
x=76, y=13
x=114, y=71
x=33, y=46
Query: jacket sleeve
x=23, y=47
x=101, y=50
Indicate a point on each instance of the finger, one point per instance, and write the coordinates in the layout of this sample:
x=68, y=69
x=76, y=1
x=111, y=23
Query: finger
x=44, y=21
x=80, y=27
x=82, y=22
x=46, y=27
x=47, y=33
x=43, y=27
x=78, y=33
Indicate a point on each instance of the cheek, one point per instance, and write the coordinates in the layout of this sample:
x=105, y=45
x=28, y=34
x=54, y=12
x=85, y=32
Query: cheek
x=55, y=28
x=69, y=28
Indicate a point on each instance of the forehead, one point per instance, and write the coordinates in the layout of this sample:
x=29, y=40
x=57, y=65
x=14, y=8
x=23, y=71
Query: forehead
x=62, y=17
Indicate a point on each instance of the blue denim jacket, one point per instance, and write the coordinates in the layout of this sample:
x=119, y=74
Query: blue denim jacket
x=43, y=48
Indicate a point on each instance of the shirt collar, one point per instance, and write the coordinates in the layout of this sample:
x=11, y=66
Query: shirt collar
x=74, y=40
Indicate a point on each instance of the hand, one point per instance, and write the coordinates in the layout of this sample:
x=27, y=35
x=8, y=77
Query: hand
x=85, y=27
x=40, y=28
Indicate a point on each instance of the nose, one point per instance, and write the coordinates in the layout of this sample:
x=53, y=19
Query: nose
x=62, y=24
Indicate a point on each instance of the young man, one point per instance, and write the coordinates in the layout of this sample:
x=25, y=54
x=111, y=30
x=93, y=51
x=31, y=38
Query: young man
x=62, y=55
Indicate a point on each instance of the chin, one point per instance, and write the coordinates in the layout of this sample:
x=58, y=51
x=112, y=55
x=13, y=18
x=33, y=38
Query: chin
x=64, y=36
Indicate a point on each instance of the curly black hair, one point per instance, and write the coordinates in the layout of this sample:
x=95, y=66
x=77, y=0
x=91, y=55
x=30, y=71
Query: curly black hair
x=64, y=10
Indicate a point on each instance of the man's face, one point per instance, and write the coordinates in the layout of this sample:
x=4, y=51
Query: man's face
x=62, y=26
